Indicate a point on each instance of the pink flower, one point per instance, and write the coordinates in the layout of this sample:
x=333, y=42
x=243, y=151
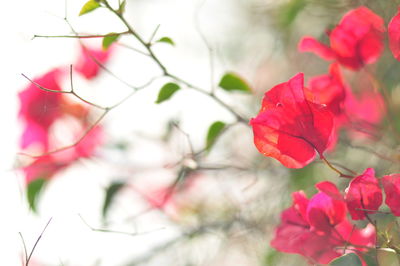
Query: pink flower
x=89, y=60
x=39, y=109
x=356, y=41
x=290, y=128
x=391, y=185
x=363, y=195
x=318, y=229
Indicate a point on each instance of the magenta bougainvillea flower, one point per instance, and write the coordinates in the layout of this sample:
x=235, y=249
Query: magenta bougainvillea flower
x=391, y=186
x=318, y=229
x=39, y=109
x=356, y=41
x=290, y=128
x=363, y=195
x=394, y=35
x=89, y=60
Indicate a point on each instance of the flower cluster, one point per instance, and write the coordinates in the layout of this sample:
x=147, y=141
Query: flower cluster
x=318, y=229
x=43, y=106
x=295, y=123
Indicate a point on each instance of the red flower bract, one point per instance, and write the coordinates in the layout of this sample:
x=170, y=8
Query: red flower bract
x=324, y=212
x=394, y=35
x=391, y=185
x=363, y=196
x=355, y=42
x=318, y=229
x=289, y=128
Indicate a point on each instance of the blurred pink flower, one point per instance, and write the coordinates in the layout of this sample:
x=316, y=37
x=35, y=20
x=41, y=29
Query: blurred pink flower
x=39, y=109
x=356, y=41
x=89, y=60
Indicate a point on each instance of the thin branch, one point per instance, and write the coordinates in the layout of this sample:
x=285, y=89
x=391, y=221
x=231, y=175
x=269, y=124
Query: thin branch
x=81, y=36
x=132, y=48
x=207, y=44
x=214, y=97
x=334, y=168
x=341, y=166
x=43, y=88
x=189, y=141
x=377, y=154
x=65, y=92
x=154, y=34
x=24, y=245
x=37, y=241
x=102, y=230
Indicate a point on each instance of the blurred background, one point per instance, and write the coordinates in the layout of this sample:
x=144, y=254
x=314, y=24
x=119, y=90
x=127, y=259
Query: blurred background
x=174, y=202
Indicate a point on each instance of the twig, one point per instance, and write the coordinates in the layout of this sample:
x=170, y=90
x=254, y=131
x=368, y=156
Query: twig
x=154, y=34
x=81, y=36
x=334, y=168
x=24, y=245
x=207, y=44
x=102, y=230
x=37, y=241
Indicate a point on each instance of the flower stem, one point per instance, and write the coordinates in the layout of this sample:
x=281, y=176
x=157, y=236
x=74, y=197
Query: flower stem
x=334, y=168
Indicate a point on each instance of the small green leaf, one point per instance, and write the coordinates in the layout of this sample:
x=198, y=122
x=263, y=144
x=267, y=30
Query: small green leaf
x=349, y=259
x=111, y=191
x=109, y=39
x=121, y=8
x=34, y=191
x=166, y=40
x=213, y=132
x=89, y=7
x=232, y=82
x=167, y=91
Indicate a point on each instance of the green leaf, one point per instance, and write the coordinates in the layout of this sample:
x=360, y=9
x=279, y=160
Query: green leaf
x=349, y=259
x=213, y=132
x=111, y=191
x=121, y=8
x=109, y=39
x=89, y=7
x=232, y=82
x=34, y=191
x=167, y=91
x=166, y=40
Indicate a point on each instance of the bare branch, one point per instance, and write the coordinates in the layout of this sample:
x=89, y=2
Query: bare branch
x=37, y=241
